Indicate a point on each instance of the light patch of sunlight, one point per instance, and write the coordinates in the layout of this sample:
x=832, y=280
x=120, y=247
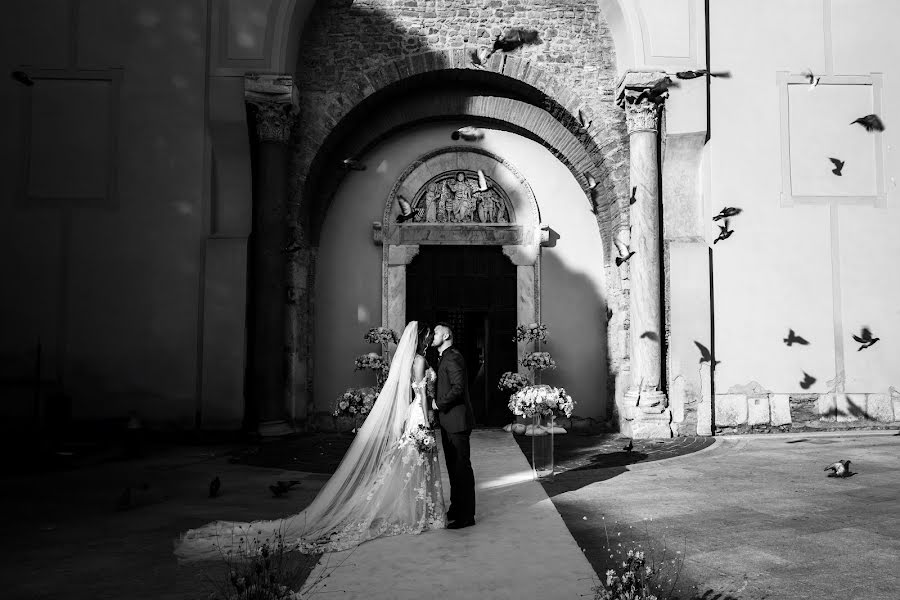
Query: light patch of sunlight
x=506, y=480
x=245, y=39
x=183, y=208
x=362, y=314
x=147, y=18
x=383, y=167
x=180, y=82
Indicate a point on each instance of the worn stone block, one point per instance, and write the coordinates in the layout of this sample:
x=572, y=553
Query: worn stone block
x=896, y=402
x=779, y=409
x=731, y=409
x=827, y=407
x=849, y=407
x=758, y=410
x=880, y=408
x=676, y=399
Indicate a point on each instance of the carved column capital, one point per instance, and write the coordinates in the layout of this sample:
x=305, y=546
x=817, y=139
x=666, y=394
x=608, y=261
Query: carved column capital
x=275, y=99
x=642, y=95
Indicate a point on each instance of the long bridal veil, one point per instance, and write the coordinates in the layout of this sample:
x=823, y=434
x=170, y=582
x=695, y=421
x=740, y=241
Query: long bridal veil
x=343, y=497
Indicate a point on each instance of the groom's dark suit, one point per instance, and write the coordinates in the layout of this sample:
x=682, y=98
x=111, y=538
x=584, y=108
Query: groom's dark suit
x=456, y=420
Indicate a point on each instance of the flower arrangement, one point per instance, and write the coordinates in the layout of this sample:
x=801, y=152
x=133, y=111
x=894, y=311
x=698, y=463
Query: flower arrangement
x=513, y=382
x=381, y=335
x=531, y=332
x=355, y=402
x=422, y=438
x=633, y=582
x=373, y=362
x=541, y=400
x=538, y=361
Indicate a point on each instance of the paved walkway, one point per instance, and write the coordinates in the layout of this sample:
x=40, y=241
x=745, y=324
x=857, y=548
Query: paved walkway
x=519, y=548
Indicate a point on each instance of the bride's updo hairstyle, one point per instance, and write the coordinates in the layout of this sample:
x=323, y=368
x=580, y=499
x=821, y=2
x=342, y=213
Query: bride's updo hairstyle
x=426, y=334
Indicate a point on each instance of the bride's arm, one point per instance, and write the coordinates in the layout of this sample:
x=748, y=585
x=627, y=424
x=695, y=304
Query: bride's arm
x=419, y=378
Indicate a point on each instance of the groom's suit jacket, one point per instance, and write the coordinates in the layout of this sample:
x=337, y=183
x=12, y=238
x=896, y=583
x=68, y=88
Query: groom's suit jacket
x=452, y=393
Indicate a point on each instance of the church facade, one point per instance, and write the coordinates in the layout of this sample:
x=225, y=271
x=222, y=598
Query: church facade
x=209, y=204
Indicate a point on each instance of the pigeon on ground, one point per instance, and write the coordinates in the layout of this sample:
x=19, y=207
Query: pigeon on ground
x=629, y=447
x=865, y=339
x=724, y=233
x=870, y=122
x=700, y=73
x=839, y=469
x=22, y=77
x=727, y=212
x=215, y=487
x=808, y=380
x=482, y=181
x=283, y=487
x=838, y=165
x=812, y=78
x=406, y=211
x=793, y=338
x=468, y=134
x=352, y=164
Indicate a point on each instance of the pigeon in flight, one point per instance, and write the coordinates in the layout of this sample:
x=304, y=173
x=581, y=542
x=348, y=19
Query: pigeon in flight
x=352, y=164
x=624, y=253
x=468, y=134
x=700, y=73
x=808, y=380
x=865, y=339
x=793, y=338
x=839, y=469
x=633, y=198
x=406, y=211
x=724, y=232
x=215, y=486
x=482, y=181
x=516, y=37
x=705, y=354
x=838, y=165
x=870, y=122
x=812, y=78
x=727, y=212
x=583, y=121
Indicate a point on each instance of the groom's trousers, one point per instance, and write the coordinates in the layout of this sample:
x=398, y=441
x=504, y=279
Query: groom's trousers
x=459, y=470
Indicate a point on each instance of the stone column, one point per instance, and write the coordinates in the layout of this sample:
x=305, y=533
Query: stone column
x=646, y=407
x=274, y=100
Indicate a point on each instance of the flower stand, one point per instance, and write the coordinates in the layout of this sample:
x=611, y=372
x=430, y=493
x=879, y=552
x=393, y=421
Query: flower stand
x=541, y=430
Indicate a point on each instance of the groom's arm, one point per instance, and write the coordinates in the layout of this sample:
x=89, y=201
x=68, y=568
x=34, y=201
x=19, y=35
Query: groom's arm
x=456, y=375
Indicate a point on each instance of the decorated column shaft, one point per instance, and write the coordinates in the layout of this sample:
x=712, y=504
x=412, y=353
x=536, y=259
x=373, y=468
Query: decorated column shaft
x=274, y=100
x=642, y=95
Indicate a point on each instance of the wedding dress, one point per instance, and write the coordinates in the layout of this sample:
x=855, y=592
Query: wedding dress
x=383, y=486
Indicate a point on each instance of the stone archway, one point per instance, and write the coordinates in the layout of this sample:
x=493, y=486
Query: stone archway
x=519, y=232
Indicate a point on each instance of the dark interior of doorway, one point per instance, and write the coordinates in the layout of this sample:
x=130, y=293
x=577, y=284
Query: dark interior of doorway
x=473, y=289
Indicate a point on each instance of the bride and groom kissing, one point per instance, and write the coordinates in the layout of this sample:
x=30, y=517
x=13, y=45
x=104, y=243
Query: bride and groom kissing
x=386, y=484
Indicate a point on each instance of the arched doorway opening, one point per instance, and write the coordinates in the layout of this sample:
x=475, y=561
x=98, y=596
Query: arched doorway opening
x=472, y=289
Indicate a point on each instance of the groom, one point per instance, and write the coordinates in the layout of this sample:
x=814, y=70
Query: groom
x=456, y=420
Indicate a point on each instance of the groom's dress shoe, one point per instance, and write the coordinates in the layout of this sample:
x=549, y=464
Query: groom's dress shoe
x=461, y=523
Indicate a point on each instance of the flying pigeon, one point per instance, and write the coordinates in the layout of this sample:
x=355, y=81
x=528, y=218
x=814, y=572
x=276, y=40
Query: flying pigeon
x=592, y=183
x=839, y=469
x=793, y=338
x=482, y=181
x=865, y=339
x=468, y=134
x=633, y=198
x=583, y=121
x=650, y=335
x=480, y=56
x=813, y=79
x=705, y=354
x=724, y=232
x=214, y=487
x=728, y=211
x=352, y=164
x=624, y=253
x=516, y=37
x=808, y=380
x=700, y=73
x=870, y=122
x=838, y=165
x=406, y=211
x=22, y=77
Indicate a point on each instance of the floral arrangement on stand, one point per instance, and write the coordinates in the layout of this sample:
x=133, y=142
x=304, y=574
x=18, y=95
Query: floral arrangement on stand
x=527, y=399
x=355, y=403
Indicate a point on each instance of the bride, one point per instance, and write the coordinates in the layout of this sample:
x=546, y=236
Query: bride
x=383, y=486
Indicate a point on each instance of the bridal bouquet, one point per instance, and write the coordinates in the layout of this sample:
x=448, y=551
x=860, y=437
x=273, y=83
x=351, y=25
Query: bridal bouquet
x=541, y=400
x=531, y=332
x=423, y=438
x=354, y=402
x=381, y=335
x=512, y=382
x=538, y=361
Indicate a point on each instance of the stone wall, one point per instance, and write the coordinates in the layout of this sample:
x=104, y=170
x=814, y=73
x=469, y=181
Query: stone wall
x=350, y=51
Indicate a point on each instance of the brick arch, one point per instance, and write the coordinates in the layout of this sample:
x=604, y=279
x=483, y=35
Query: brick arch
x=599, y=150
